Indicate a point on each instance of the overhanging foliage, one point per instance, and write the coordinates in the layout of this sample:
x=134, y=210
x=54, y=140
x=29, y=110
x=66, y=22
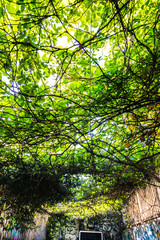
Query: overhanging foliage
x=79, y=95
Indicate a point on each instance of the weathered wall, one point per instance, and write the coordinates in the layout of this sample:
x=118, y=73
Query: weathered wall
x=39, y=233
x=145, y=204
x=144, y=214
x=110, y=225
x=149, y=231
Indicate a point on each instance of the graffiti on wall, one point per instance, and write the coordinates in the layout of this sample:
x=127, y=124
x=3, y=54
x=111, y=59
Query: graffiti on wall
x=127, y=236
x=16, y=235
x=70, y=233
x=39, y=233
x=111, y=228
x=109, y=225
x=150, y=231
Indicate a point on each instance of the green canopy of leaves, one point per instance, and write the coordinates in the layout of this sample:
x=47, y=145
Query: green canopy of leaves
x=79, y=101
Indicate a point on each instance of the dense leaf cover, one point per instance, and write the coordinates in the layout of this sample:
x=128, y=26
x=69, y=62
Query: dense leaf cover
x=79, y=101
